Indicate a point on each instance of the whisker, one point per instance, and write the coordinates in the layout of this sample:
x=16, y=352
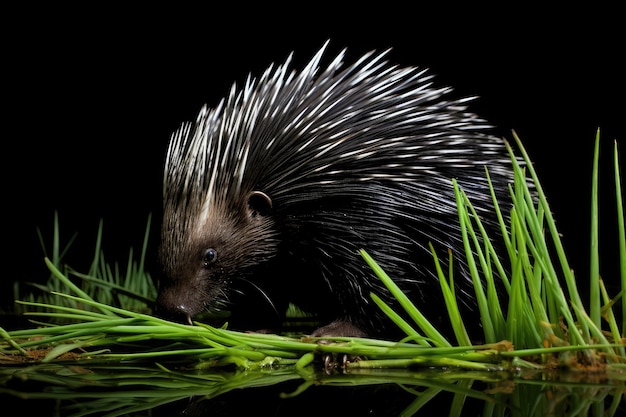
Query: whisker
x=263, y=293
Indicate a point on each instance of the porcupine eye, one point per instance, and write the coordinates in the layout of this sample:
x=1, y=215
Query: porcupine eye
x=210, y=256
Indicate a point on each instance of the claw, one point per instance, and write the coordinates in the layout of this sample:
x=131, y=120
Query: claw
x=330, y=365
x=333, y=361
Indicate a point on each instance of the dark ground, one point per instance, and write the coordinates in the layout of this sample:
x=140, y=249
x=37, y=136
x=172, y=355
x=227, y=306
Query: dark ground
x=90, y=100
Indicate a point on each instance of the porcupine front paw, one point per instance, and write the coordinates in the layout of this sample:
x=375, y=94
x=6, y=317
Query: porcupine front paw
x=339, y=328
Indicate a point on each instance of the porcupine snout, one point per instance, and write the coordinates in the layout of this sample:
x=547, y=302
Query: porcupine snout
x=186, y=284
x=173, y=304
x=184, y=287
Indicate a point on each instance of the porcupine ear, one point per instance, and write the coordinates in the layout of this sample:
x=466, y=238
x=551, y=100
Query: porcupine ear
x=259, y=204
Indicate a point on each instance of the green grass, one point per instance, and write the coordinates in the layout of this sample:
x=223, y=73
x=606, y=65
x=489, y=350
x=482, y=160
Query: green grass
x=130, y=287
x=541, y=325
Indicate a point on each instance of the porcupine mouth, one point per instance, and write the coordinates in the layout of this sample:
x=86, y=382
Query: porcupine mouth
x=183, y=305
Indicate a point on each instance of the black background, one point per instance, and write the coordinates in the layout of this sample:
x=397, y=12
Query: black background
x=92, y=96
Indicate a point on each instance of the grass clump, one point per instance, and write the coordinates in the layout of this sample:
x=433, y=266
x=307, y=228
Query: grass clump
x=130, y=288
x=543, y=320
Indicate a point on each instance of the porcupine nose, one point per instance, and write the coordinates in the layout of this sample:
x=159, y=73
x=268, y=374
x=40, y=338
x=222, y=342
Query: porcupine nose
x=179, y=315
x=172, y=309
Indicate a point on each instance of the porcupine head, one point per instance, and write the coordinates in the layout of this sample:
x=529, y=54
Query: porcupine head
x=269, y=195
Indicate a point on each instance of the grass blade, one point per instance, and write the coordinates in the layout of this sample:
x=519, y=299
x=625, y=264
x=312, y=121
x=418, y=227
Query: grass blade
x=594, y=273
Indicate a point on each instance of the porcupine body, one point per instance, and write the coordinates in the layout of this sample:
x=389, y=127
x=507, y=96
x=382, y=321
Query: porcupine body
x=269, y=196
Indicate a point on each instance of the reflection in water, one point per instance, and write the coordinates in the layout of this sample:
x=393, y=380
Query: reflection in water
x=47, y=390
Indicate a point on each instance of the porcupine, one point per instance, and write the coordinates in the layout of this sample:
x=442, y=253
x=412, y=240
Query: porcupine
x=269, y=196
